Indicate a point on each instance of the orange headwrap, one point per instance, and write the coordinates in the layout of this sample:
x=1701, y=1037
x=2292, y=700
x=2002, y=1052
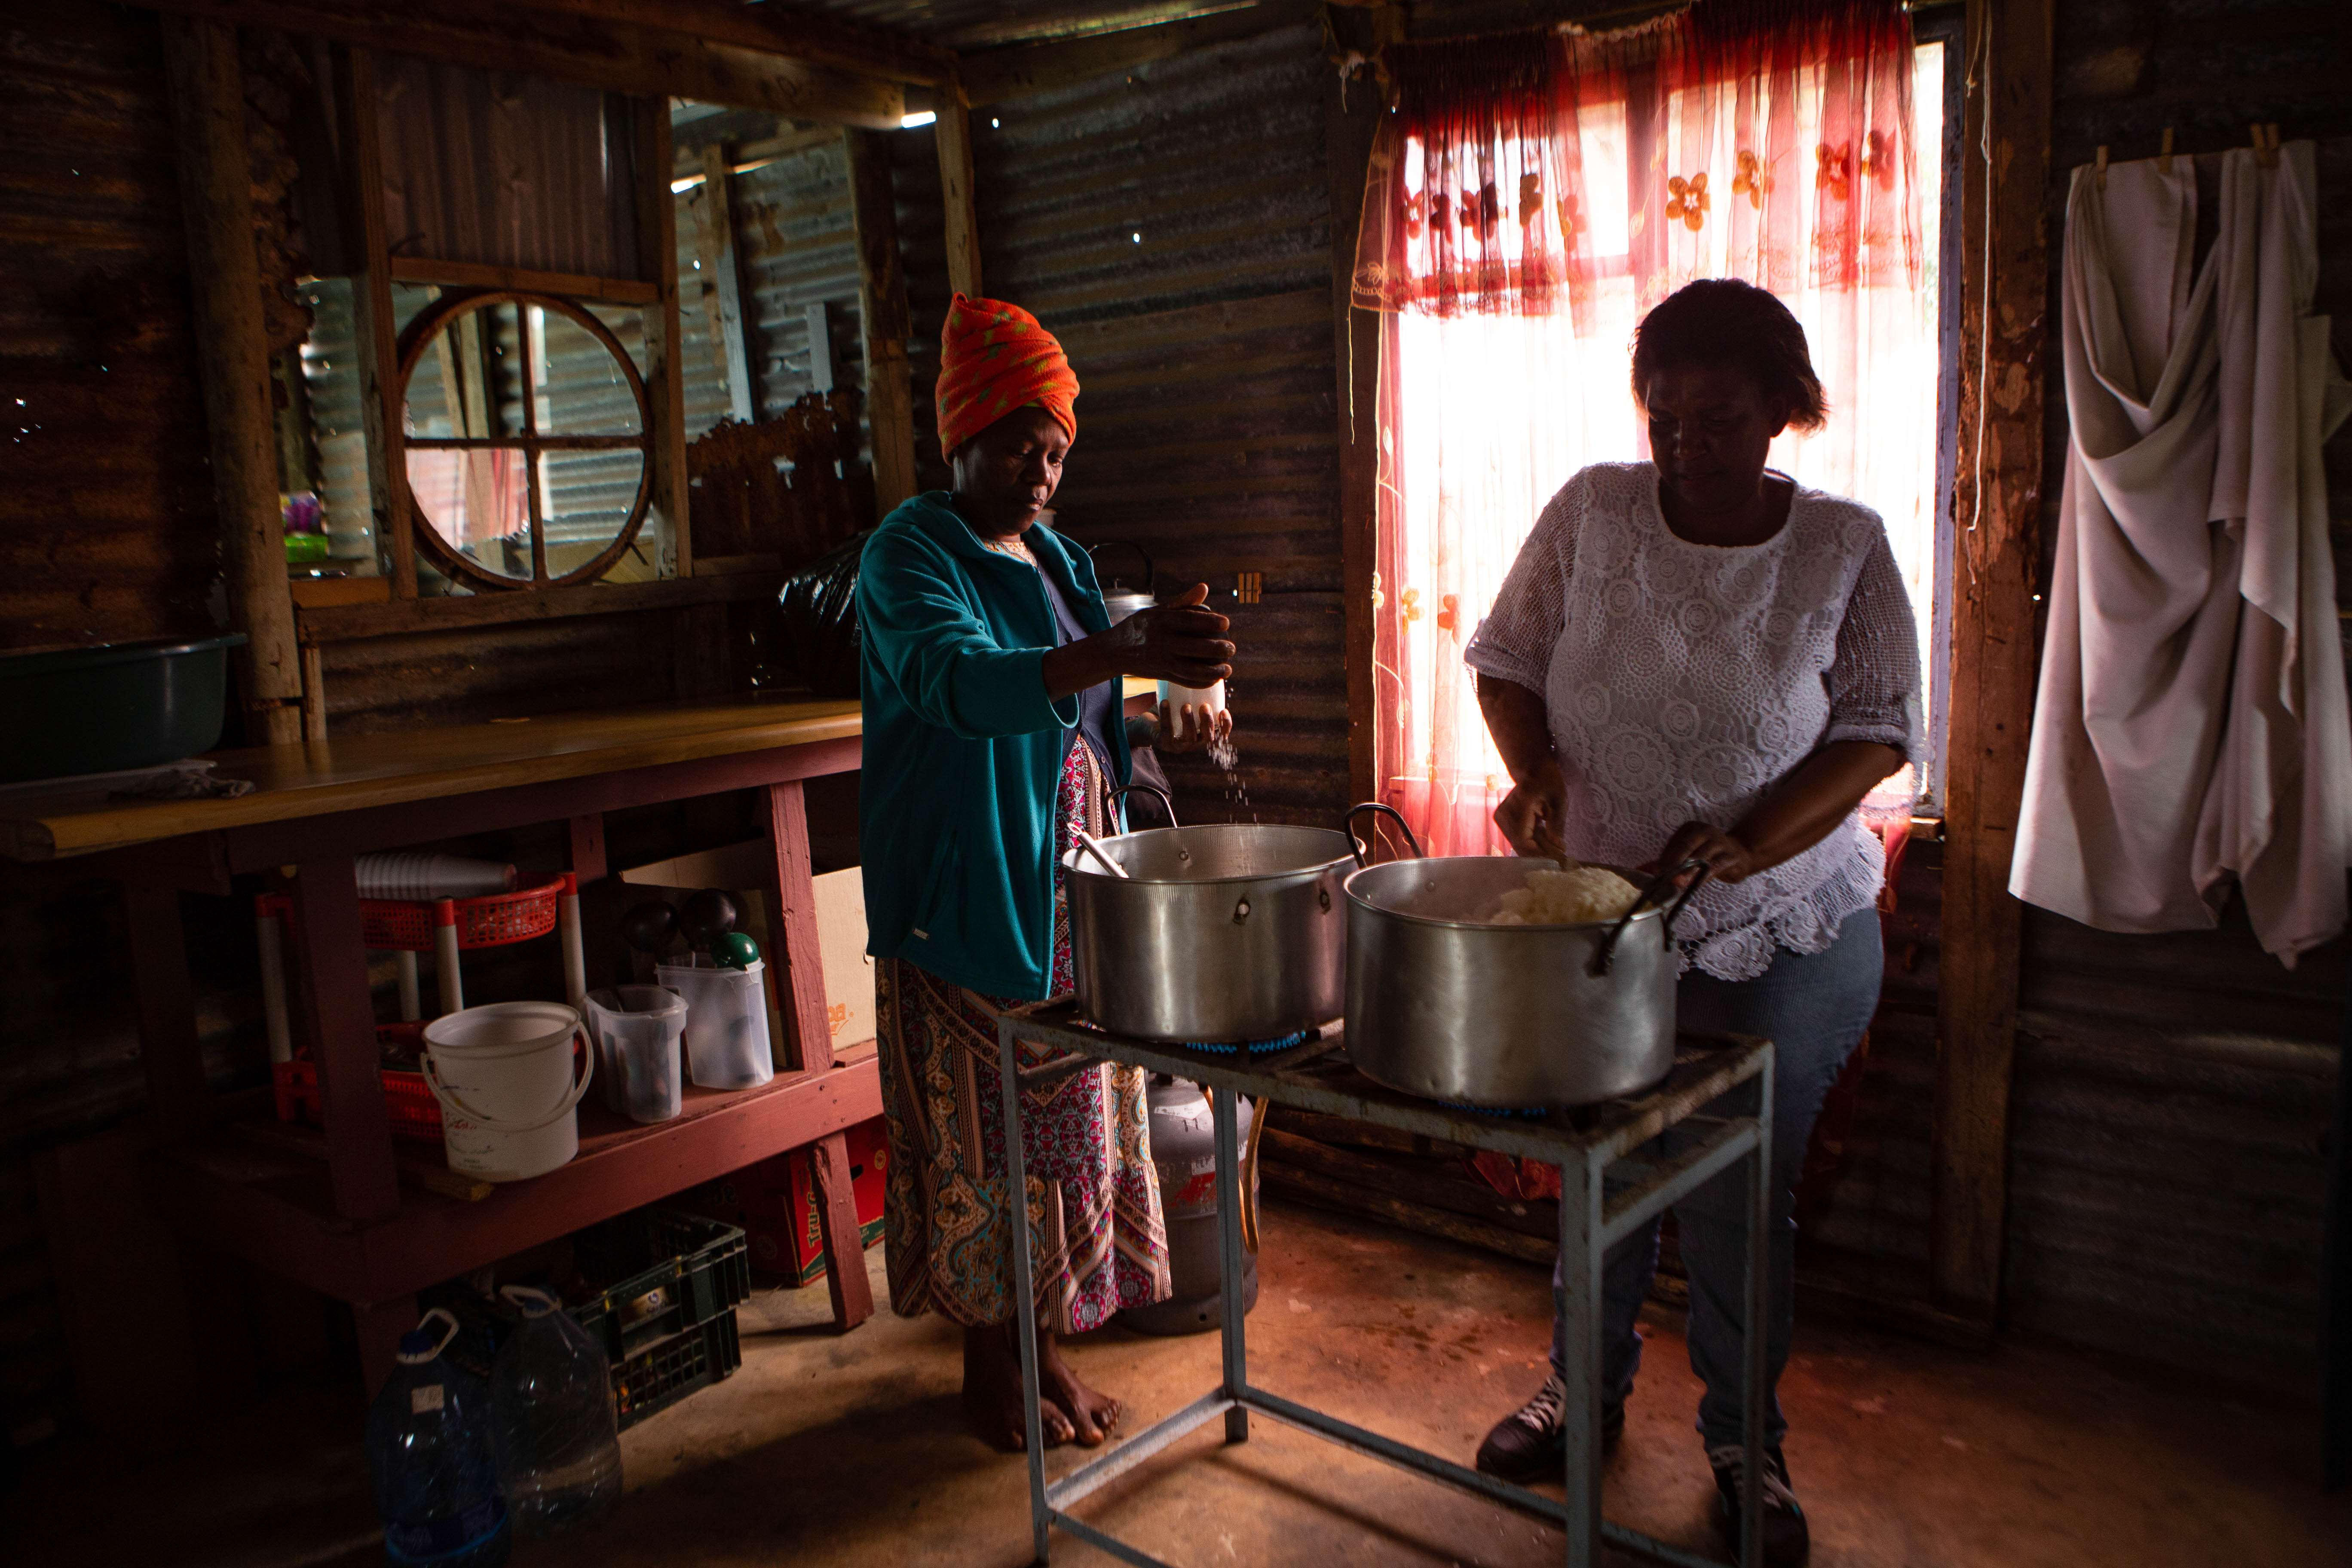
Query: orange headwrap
x=995, y=358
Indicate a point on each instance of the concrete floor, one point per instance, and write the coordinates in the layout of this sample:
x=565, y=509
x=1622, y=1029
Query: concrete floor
x=848, y=1451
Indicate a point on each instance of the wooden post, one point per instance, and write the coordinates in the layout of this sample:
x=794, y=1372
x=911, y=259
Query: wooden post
x=207, y=93
x=360, y=1168
x=365, y=254
x=722, y=281
x=665, y=376
x=882, y=306
x=1352, y=114
x=168, y=1047
x=796, y=966
x=960, y=217
x=2003, y=358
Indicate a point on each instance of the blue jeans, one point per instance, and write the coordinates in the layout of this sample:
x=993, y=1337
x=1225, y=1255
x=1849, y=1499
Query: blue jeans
x=1814, y=1008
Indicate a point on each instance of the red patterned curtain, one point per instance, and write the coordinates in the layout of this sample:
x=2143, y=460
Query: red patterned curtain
x=1766, y=141
x=1530, y=196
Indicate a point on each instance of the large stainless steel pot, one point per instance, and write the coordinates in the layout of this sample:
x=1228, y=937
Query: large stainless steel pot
x=1227, y=932
x=1447, y=1006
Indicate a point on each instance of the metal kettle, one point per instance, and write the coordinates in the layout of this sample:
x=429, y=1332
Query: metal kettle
x=1117, y=598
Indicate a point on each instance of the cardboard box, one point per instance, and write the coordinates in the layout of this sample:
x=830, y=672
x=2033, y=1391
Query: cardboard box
x=775, y=1202
x=741, y=869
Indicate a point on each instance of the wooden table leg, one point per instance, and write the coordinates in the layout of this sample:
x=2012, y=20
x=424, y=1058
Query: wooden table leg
x=343, y=1023
x=844, y=1247
x=168, y=1045
x=797, y=969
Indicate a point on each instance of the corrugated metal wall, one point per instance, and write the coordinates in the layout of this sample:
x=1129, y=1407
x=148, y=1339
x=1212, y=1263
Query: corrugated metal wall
x=106, y=532
x=106, y=519
x=2166, y=1188
x=1172, y=225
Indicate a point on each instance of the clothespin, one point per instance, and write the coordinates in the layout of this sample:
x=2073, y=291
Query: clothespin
x=2266, y=145
x=2099, y=170
x=2164, y=159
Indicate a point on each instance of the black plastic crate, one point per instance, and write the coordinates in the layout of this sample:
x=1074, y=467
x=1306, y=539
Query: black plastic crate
x=667, y=1325
x=675, y=1271
x=666, y=1372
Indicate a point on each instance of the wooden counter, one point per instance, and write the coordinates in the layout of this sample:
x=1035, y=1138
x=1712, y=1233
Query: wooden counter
x=345, y=1212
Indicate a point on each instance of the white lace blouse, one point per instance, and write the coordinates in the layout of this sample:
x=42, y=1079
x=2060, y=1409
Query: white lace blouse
x=1684, y=680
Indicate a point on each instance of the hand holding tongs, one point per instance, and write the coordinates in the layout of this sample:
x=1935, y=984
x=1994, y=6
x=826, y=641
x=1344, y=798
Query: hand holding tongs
x=1606, y=956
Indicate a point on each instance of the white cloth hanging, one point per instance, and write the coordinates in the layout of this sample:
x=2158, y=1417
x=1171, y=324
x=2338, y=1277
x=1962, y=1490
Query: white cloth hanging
x=2278, y=816
x=2179, y=737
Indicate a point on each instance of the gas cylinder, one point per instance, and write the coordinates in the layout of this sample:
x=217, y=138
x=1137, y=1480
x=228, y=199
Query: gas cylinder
x=1184, y=1151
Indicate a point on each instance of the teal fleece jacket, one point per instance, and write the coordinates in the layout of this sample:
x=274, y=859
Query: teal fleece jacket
x=963, y=750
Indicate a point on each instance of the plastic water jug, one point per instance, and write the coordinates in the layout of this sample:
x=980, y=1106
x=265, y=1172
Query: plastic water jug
x=551, y=1426
x=428, y=1450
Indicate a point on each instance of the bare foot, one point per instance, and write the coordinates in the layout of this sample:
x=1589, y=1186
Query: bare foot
x=991, y=1393
x=1094, y=1415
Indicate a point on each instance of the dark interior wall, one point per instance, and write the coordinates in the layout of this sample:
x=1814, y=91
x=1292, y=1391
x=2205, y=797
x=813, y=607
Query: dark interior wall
x=2168, y=1175
x=106, y=515
x=1171, y=224
x=106, y=532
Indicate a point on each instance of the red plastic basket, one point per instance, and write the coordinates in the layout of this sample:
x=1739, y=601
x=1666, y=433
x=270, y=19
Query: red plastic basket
x=408, y=1104
x=392, y=925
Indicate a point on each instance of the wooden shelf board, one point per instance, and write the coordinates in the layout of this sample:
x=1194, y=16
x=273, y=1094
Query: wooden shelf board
x=270, y=1206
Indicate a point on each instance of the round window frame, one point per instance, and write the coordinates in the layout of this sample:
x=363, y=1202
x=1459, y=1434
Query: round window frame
x=426, y=533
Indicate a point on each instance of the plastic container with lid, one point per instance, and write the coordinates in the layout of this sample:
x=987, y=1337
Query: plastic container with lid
x=429, y=1451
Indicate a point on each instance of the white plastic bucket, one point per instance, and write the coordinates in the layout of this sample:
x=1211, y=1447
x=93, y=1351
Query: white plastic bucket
x=508, y=1078
x=726, y=1022
x=638, y=1030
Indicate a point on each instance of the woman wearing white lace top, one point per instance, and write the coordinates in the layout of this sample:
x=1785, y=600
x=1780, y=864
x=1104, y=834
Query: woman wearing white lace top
x=1698, y=659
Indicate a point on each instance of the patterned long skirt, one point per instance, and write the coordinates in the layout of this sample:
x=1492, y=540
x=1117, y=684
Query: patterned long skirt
x=1096, y=1235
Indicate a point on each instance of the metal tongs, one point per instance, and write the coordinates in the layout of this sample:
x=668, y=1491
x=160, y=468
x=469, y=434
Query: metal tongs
x=1606, y=956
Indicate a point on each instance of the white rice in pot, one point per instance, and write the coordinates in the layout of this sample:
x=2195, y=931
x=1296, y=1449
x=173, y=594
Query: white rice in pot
x=1579, y=896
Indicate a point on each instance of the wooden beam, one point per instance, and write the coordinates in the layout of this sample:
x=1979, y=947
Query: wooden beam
x=342, y=1020
x=474, y=275
x=1351, y=114
x=2004, y=360
x=169, y=1048
x=882, y=307
x=365, y=253
x=774, y=30
x=993, y=75
x=664, y=371
x=962, y=220
x=613, y=56
x=206, y=87
x=722, y=283
x=399, y=617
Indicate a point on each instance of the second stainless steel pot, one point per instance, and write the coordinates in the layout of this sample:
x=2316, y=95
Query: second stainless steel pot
x=1449, y=1007
x=1228, y=933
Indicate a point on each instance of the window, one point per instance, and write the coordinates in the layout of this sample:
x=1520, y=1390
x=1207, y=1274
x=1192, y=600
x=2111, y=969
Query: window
x=526, y=433
x=1485, y=416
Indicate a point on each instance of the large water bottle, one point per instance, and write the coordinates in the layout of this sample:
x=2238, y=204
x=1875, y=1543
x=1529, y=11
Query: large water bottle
x=429, y=1449
x=551, y=1426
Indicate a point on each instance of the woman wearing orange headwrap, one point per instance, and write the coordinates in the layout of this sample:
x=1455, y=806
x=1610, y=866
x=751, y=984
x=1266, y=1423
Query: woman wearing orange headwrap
x=992, y=736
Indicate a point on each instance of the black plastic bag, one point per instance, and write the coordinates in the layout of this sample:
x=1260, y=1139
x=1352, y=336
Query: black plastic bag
x=817, y=620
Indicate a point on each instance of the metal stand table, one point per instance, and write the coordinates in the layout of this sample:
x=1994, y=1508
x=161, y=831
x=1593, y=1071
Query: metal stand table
x=1316, y=1075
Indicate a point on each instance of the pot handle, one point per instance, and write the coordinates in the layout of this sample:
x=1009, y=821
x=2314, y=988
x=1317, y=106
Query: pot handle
x=1094, y=550
x=1605, y=956
x=449, y=1101
x=1150, y=789
x=1346, y=826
